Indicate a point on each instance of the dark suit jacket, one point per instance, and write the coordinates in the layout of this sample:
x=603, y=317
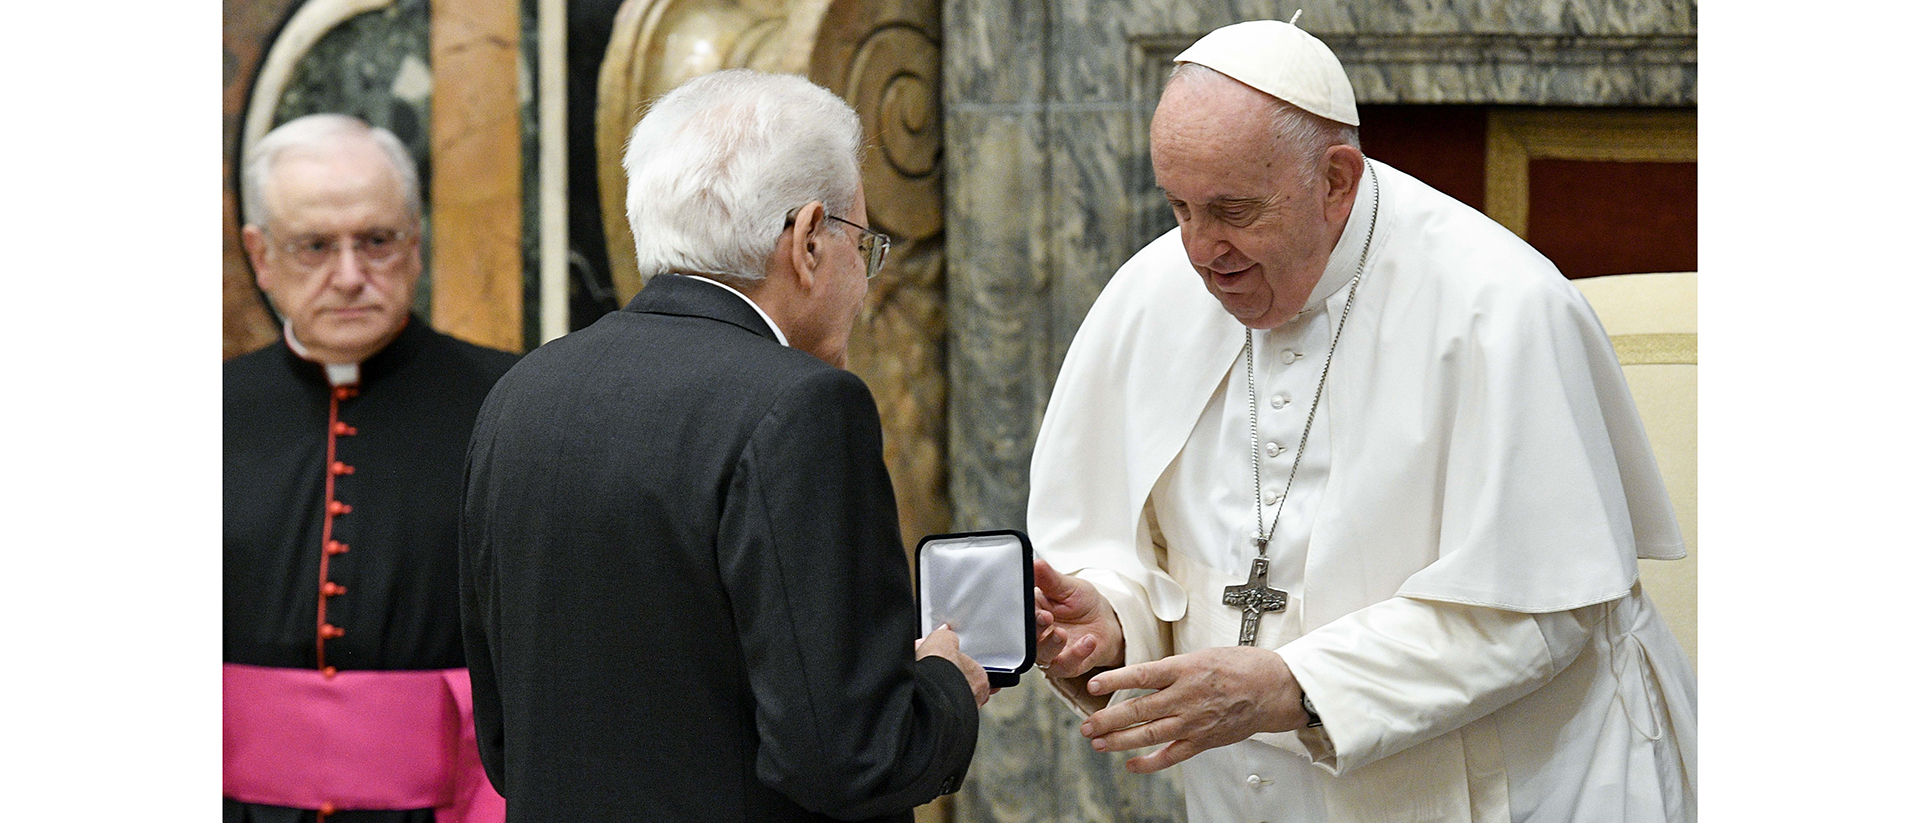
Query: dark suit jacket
x=683, y=587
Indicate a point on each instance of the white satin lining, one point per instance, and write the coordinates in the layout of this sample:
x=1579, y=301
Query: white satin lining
x=977, y=586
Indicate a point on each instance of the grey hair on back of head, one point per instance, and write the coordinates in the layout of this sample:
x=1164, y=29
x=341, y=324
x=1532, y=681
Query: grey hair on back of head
x=315, y=130
x=1304, y=134
x=716, y=165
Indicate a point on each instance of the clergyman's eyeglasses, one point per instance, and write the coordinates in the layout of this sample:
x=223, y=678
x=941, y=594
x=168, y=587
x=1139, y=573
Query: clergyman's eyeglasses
x=873, y=244
x=375, y=247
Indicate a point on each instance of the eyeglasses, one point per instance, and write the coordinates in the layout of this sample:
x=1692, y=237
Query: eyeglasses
x=375, y=247
x=873, y=244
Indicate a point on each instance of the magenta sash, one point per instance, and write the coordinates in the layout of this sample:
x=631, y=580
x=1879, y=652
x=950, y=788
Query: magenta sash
x=357, y=740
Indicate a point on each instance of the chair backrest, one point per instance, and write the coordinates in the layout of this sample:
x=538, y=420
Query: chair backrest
x=1652, y=320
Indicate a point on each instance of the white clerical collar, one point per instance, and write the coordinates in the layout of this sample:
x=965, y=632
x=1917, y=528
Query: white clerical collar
x=338, y=374
x=777, y=333
x=1344, y=263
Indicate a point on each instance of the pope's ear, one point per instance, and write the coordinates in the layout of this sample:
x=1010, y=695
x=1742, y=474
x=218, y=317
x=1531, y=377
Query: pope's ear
x=1344, y=168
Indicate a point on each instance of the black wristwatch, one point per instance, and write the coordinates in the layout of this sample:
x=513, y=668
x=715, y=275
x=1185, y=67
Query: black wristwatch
x=1306, y=705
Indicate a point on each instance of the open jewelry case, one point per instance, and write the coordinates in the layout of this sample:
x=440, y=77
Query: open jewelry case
x=981, y=585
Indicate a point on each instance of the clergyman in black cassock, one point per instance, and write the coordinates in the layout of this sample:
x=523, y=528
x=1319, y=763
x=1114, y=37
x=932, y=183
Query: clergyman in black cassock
x=343, y=672
x=409, y=416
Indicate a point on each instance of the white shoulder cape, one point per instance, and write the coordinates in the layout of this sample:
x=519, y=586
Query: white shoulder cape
x=1485, y=449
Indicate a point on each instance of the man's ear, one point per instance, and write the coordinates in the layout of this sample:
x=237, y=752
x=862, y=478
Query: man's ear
x=255, y=242
x=804, y=249
x=1344, y=167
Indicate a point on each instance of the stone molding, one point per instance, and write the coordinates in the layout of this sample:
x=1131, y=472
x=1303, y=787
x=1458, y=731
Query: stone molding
x=1493, y=69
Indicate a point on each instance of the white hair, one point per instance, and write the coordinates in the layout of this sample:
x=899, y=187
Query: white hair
x=311, y=131
x=716, y=165
x=1305, y=134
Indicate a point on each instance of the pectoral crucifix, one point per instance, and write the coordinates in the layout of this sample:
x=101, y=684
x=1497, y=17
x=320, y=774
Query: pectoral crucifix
x=1254, y=600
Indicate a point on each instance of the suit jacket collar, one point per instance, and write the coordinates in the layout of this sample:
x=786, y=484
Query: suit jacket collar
x=674, y=294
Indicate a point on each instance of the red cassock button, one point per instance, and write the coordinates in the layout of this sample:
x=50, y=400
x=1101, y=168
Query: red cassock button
x=329, y=672
x=330, y=631
x=344, y=430
x=332, y=589
x=340, y=468
x=336, y=547
x=345, y=392
x=327, y=808
x=337, y=507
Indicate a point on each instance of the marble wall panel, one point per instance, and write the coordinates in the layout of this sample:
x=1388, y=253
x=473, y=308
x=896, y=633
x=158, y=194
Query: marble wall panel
x=996, y=304
x=1095, y=217
x=477, y=192
x=373, y=66
x=526, y=69
x=246, y=31
x=1556, y=17
x=987, y=52
x=1512, y=69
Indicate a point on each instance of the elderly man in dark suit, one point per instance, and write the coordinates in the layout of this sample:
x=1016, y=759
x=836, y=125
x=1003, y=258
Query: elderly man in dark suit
x=683, y=584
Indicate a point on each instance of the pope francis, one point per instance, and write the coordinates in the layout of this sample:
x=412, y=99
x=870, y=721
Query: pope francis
x=1340, y=491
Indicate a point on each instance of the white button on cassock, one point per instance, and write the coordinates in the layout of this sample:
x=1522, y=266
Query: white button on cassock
x=1273, y=449
x=1280, y=401
x=1288, y=356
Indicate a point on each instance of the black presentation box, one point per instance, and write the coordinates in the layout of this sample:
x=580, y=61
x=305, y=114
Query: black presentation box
x=981, y=584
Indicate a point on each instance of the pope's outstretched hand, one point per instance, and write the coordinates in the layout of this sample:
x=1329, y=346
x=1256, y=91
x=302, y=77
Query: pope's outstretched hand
x=1077, y=629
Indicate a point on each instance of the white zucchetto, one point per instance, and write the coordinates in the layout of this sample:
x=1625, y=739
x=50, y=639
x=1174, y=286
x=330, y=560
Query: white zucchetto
x=1281, y=60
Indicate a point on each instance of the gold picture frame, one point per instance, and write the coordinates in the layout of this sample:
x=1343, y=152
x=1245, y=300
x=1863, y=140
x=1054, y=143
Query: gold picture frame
x=1517, y=137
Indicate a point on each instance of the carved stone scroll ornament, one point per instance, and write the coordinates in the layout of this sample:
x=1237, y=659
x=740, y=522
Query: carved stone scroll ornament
x=883, y=58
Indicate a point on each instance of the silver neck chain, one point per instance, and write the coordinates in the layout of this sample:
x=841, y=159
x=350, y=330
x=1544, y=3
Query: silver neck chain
x=1262, y=536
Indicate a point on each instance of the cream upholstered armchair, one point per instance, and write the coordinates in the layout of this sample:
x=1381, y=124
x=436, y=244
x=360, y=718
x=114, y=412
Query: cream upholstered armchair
x=1651, y=318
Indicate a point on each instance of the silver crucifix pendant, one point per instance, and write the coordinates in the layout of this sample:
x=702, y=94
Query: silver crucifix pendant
x=1254, y=600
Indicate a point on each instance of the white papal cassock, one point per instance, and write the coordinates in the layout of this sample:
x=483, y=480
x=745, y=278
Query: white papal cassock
x=1458, y=545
